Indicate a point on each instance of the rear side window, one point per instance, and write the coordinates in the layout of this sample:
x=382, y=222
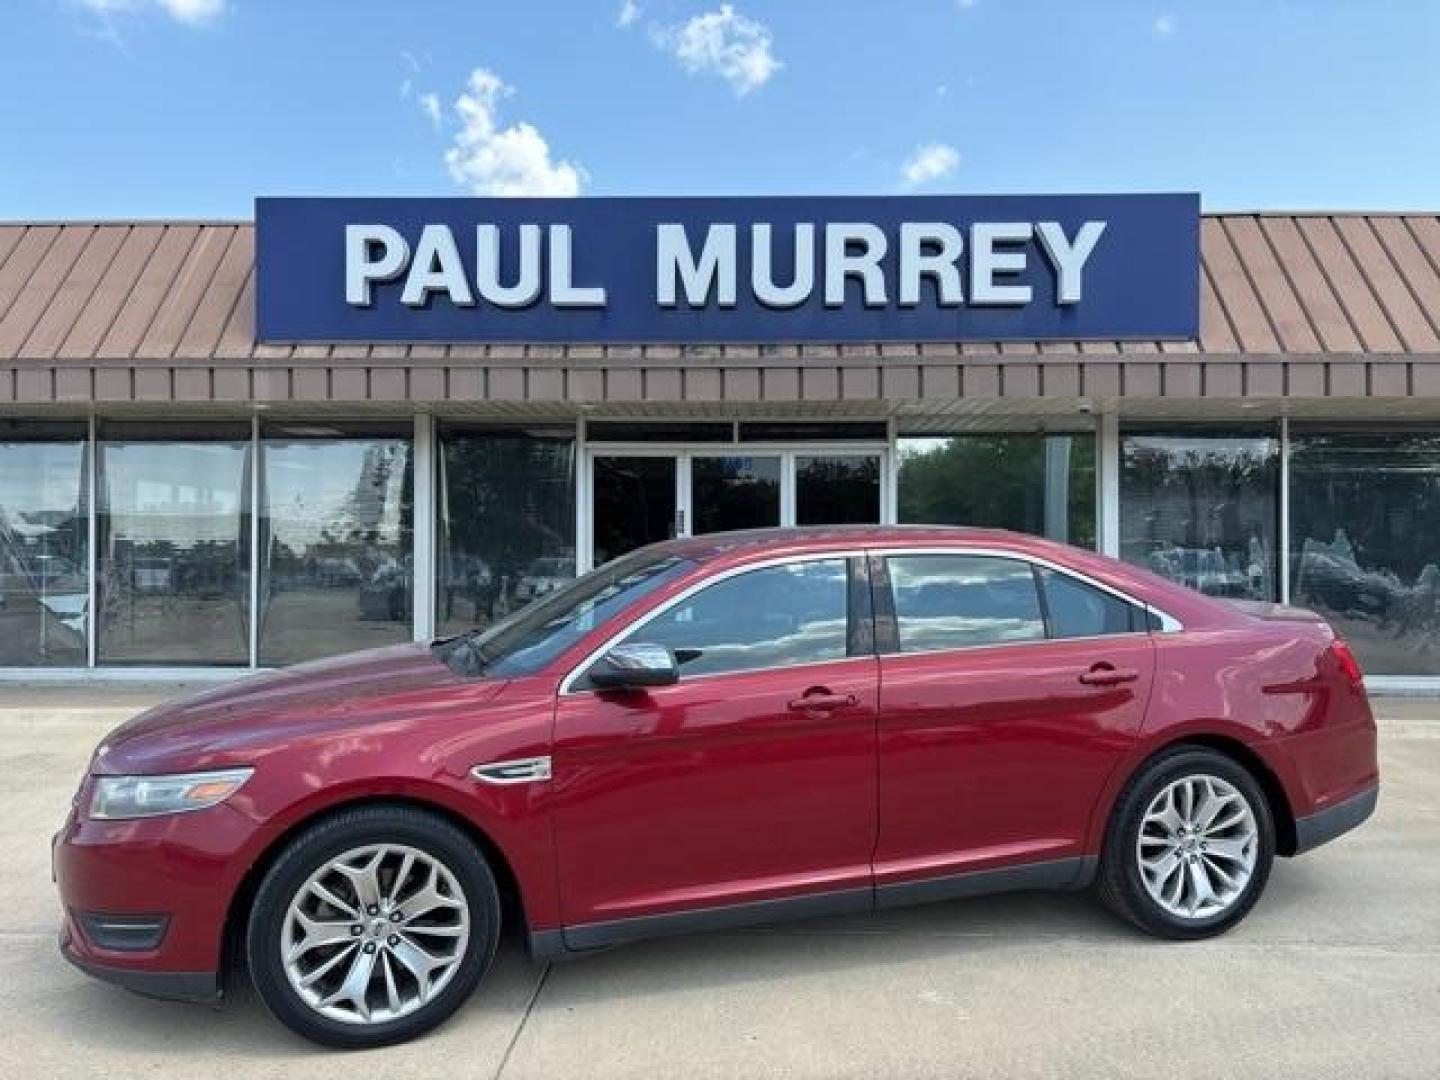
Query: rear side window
x=954, y=601
x=1077, y=609
x=776, y=616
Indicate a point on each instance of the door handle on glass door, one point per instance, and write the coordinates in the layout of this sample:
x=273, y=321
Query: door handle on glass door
x=1103, y=674
x=821, y=700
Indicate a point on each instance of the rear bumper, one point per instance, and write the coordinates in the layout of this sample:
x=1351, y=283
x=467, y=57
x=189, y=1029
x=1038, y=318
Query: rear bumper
x=1325, y=825
x=202, y=987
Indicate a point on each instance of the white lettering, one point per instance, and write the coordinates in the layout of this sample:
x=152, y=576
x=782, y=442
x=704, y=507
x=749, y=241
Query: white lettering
x=1068, y=257
x=942, y=265
x=437, y=268
x=526, y=289
x=563, y=292
x=715, y=268
x=929, y=266
x=841, y=262
x=361, y=271
x=762, y=267
x=986, y=263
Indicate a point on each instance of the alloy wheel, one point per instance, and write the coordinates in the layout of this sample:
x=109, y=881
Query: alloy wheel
x=375, y=934
x=1197, y=846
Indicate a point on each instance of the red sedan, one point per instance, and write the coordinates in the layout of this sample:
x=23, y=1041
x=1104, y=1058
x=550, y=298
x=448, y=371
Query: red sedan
x=712, y=732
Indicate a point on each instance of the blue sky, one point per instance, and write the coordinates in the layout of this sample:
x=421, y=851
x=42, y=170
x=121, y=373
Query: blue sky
x=175, y=108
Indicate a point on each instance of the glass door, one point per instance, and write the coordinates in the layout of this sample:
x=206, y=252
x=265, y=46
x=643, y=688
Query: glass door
x=837, y=489
x=634, y=501
x=734, y=491
x=638, y=495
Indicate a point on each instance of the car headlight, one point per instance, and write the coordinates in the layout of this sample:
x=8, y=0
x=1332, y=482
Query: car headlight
x=121, y=797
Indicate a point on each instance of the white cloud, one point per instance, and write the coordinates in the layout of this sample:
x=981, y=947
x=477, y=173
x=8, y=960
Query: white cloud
x=430, y=106
x=194, y=11
x=932, y=161
x=723, y=43
x=488, y=159
x=1165, y=26
x=628, y=14
x=191, y=12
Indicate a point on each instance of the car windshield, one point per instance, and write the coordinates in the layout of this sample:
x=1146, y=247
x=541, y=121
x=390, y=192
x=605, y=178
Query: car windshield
x=523, y=643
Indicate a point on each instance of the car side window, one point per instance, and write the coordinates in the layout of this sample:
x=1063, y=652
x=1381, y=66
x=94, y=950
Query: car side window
x=955, y=601
x=1078, y=609
x=774, y=616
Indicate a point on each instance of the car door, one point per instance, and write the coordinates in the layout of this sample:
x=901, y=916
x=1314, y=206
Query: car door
x=1009, y=692
x=752, y=778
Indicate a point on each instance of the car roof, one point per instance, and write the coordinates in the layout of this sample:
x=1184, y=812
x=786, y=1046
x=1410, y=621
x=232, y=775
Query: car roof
x=800, y=539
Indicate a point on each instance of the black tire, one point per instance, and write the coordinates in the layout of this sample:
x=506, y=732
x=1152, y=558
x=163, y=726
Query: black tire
x=330, y=838
x=1119, y=884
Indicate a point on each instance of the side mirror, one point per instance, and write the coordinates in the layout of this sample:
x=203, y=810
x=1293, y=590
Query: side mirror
x=628, y=667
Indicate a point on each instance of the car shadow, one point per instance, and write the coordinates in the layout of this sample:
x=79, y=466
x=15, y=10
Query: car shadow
x=99, y=1017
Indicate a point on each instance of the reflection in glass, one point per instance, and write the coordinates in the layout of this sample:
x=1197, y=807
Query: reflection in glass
x=634, y=503
x=527, y=640
x=335, y=542
x=769, y=618
x=1202, y=509
x=44, y=545
x=1076, y=609
x=1038, y=484
x=507, y=521
x=740, y=492
x=837, y=490
x=958, y=601
x=1365, y=543
x=174, y=544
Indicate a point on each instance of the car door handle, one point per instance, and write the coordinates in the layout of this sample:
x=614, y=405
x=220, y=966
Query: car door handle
x=1108, y=675
x=821, y=701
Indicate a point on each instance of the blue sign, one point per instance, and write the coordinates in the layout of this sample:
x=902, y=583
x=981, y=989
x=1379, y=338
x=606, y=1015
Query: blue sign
x=701, y=270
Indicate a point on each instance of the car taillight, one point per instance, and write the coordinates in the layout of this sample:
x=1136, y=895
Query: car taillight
x=1349, y=666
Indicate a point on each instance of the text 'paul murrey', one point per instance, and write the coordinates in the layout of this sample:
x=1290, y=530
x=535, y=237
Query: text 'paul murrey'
x=976, y=266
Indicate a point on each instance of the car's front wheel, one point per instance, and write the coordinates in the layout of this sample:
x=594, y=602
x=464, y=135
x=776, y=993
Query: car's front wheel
x=1189, y=845
x=372, y=927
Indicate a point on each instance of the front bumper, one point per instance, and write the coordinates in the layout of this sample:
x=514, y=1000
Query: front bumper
x=202, y=987
x=177, y=871
x=1325, y=825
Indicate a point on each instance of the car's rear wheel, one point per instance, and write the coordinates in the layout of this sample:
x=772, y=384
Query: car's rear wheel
x=1189, y=845
x=372, y=927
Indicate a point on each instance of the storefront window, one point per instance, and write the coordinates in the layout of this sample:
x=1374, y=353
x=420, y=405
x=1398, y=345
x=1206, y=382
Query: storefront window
x=1365, y=542
x=1202, y=509
x=174, y=543
x=336, y=571
x=507, y=521
x=1038, y=484
x=840, y=489
x=44, y=545
x=740, y=491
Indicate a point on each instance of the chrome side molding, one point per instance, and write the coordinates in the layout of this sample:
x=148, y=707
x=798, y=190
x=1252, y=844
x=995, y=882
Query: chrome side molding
x=515, y=771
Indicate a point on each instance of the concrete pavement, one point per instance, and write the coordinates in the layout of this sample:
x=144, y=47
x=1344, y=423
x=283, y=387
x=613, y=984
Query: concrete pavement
x=1335, y=974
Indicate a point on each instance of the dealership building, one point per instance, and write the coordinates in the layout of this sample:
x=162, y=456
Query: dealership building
x=350, y=423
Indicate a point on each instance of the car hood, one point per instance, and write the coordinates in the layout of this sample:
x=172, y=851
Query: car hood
x=246, y=718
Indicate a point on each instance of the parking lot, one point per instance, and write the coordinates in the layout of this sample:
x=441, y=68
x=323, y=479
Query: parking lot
x=1336, y=973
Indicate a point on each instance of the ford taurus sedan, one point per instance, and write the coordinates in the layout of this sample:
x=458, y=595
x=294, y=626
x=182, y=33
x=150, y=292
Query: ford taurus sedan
x=712, y=732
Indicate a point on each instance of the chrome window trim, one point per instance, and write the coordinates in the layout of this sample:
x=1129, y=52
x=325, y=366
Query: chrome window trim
x=1168, y=623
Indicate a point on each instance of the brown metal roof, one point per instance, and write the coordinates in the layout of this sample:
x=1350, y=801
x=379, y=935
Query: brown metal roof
x=1272, y=285
x=1348, y=304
